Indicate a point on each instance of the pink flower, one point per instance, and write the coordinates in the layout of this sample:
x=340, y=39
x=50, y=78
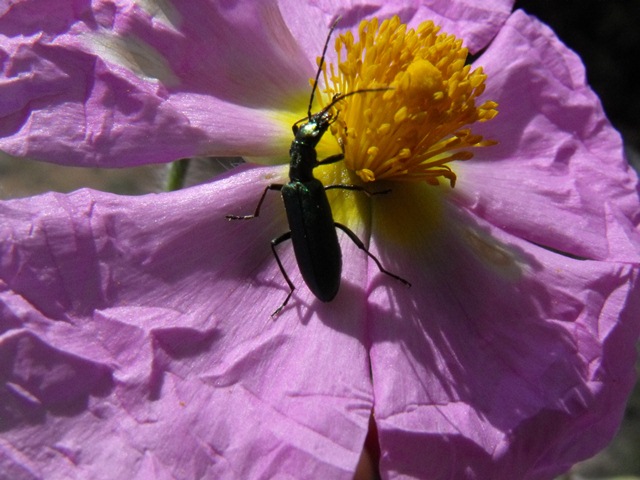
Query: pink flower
x=135, y=332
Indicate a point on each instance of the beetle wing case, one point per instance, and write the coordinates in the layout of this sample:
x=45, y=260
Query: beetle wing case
x=314, y=237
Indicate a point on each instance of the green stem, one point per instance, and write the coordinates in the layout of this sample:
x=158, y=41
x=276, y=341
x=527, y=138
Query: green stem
x=177, y=174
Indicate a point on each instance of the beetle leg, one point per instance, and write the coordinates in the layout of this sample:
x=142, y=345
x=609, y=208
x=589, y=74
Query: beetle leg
x=273, y=186
x=274, y=242
x=361, y=246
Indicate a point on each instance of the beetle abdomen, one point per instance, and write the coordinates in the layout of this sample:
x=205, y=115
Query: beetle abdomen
x=314, y=237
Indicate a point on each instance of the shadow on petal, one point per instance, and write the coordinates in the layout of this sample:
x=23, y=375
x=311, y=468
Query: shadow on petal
x=494, y=333
x=38, y=380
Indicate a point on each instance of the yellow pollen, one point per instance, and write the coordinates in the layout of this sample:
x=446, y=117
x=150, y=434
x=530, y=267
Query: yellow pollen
x=412, y=130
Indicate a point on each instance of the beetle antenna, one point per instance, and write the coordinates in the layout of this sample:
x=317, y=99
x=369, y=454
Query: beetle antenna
x=339, y=96
x=324, y=52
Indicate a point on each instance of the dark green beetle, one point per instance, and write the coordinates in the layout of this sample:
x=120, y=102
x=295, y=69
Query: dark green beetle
x=312, y=229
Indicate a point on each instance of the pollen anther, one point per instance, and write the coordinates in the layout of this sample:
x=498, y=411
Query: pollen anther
x=423, y=121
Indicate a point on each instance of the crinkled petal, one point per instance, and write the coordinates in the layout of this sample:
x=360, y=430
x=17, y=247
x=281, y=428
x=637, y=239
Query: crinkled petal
x=475, y=22
x=504, y=360
x=133, y=83
x=137, y=341
x=558, y=177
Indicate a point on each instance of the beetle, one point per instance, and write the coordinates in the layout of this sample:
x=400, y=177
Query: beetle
x=312, y=229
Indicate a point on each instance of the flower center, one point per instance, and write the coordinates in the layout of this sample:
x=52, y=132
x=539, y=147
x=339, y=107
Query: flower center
x=421, y=123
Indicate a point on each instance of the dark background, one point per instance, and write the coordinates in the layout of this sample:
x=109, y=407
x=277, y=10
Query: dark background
x=606, y=35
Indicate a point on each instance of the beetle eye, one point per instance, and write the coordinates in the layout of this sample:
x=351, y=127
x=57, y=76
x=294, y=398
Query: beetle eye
x=295, y=128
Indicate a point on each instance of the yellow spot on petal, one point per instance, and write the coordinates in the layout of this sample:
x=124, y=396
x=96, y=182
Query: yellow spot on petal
x=134, y=54
x=422, y=122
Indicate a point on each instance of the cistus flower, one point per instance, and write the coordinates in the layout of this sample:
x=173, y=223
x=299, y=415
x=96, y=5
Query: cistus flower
x=136, y=340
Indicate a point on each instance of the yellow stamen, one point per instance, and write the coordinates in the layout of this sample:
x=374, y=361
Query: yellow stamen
x=421, y=123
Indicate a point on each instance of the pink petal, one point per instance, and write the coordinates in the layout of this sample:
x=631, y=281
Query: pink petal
x=504, y=360
x=475, y=22
x=559, y=177
x=117, y=87
x=137, y=341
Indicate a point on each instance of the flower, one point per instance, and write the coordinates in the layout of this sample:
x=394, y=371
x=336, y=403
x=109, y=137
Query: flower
x=136, y=339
